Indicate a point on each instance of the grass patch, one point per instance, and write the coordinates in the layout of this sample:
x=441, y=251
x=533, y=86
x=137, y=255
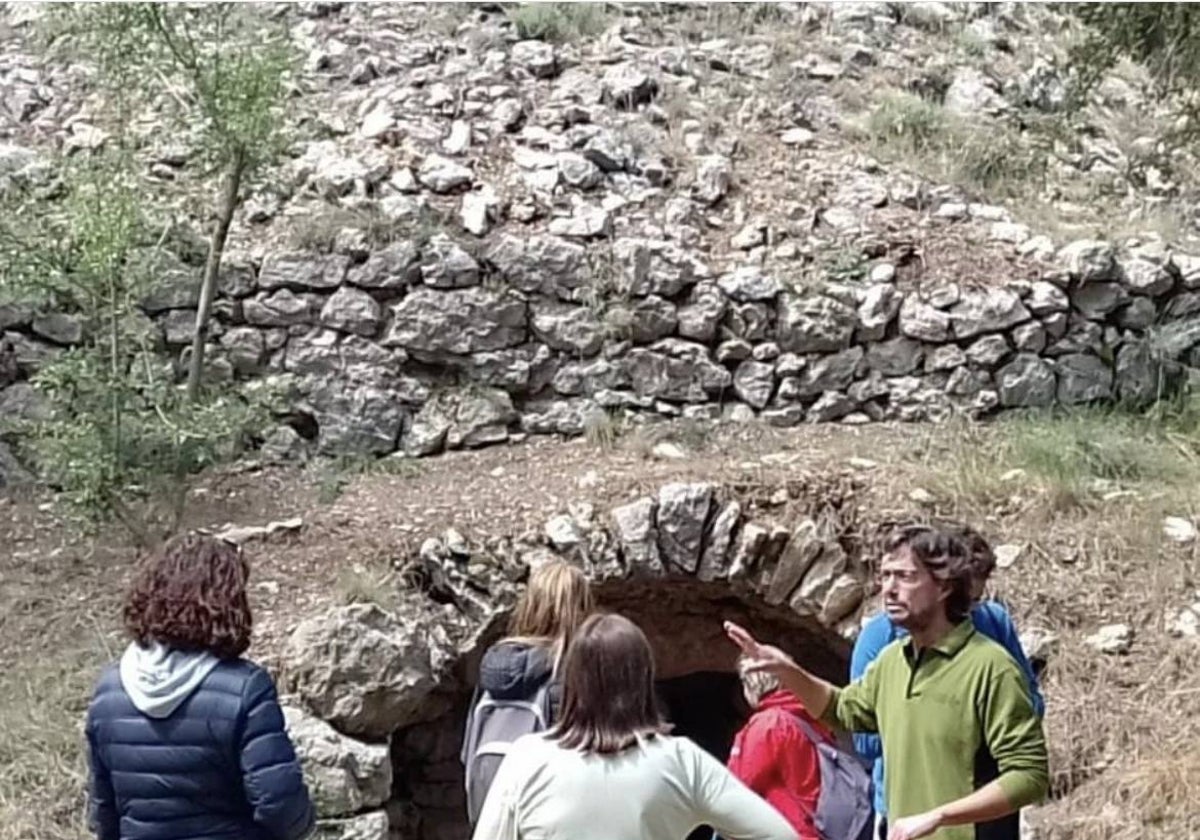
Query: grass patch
x=558, y=22
x=604, y=431
x=984, y=155
x=907, y=123
x=368, y=583
x=319, y=232
x=1097, y=447
x=1074, y=457
x=55, y=626
x=42, y=753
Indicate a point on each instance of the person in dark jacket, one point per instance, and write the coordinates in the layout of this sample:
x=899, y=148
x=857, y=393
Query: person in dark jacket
x=554, y=604
x=186, y=739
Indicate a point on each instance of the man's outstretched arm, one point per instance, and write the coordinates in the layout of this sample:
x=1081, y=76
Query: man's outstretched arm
x=851, y=708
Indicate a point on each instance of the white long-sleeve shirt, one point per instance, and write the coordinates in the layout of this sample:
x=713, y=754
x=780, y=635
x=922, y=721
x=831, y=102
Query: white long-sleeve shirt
x=659, y=789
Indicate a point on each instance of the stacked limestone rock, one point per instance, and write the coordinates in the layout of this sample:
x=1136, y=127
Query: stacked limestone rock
x=366, y=681
x=567, y=246
x=376, y=348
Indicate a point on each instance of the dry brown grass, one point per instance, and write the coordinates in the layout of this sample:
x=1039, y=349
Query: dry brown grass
x=1084, y=493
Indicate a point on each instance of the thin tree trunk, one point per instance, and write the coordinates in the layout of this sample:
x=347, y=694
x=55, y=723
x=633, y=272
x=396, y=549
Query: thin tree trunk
x=212, y=268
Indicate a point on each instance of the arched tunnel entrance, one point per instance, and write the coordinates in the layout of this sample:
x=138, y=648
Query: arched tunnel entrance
x=698, y=688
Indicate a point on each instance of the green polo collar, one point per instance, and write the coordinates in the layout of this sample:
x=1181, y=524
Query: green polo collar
x=948, y=645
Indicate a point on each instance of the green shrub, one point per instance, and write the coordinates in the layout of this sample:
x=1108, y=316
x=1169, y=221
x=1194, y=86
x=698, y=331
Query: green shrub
x=558, y=22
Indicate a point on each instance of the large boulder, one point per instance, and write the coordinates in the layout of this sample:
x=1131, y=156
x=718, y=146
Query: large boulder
x=682, y=515
x=981, y=311
x=344, y=775
x=675, y=370
x=546, y=265
x=59, y=328
x=877, y=306
x=1028, y=380
x=897, y=356
x=302, y=271
x=589, y=377
x=1083, y=378
x=923, y=321
x=814, y=324
x=355, y=417
x=1140, y=376
x=748, y=283
x=366, y=671
x=561, y=417
x=353, y=311
x=702, y=312
x=465, y=417
x=572, y=329
x=446, y=265
x=457, y=322
x=642, y=320
x=322, y=352
x=1090, y=260
x=834, y=372
x=754, y=382
x=394, y=267
x=637, y=536
x=281, y=308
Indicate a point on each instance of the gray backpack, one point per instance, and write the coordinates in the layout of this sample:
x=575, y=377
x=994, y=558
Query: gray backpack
x=844, y=807
x=492, y=726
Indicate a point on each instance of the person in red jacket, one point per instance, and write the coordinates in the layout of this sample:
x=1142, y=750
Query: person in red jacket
x=771, y=754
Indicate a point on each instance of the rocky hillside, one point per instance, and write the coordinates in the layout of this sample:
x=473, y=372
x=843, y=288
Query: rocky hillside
x=498, y=221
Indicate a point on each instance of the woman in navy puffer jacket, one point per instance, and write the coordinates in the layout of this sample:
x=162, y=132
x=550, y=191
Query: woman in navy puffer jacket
x=186, y=738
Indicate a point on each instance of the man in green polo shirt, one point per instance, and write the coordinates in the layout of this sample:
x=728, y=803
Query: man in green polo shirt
x=936, y=698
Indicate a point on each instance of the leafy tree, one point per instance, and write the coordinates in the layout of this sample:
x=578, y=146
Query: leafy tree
x=1163, y=37
x=119, y=434
x=218, y=73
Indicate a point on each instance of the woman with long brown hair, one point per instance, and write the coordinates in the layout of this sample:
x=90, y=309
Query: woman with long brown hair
x=608, y=770
x=186, y=739
x=518, y=689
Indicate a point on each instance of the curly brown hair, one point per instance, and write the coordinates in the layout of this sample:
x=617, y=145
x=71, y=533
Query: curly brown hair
x=192, y=596
x=947, y=557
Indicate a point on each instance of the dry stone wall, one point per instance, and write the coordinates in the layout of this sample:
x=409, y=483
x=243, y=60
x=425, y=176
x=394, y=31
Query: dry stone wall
x=425, y=347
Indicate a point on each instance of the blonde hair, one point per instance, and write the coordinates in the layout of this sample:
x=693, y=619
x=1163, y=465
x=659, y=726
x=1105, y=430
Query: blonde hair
x=756, y=684
x=554, y=604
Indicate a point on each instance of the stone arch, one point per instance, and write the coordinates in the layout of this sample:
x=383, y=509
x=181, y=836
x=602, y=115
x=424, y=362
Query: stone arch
x=788, y=561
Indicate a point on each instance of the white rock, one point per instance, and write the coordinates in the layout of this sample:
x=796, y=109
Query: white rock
x=378, y=122
x=343, y=775
x=1111, y=638
x=1187, y=622
x=921, y=496
x=1008, y=554
x=1039, y=643
x=563, y=532
x=459, y=139
x=1010, y=232
x=799, y=137
x=476, y=210
x=1180, y=530
x=443, y=175
x=883, y=273
x=668, y=451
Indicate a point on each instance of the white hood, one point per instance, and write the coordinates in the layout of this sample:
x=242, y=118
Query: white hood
x=157, y=678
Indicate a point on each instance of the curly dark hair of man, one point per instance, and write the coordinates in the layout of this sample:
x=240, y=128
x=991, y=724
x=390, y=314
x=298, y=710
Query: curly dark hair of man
x=192, y=596
x=946, y=554
x=983, y=559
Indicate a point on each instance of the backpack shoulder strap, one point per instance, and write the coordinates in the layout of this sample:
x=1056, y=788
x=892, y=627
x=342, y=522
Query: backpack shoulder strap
x=809, y=732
